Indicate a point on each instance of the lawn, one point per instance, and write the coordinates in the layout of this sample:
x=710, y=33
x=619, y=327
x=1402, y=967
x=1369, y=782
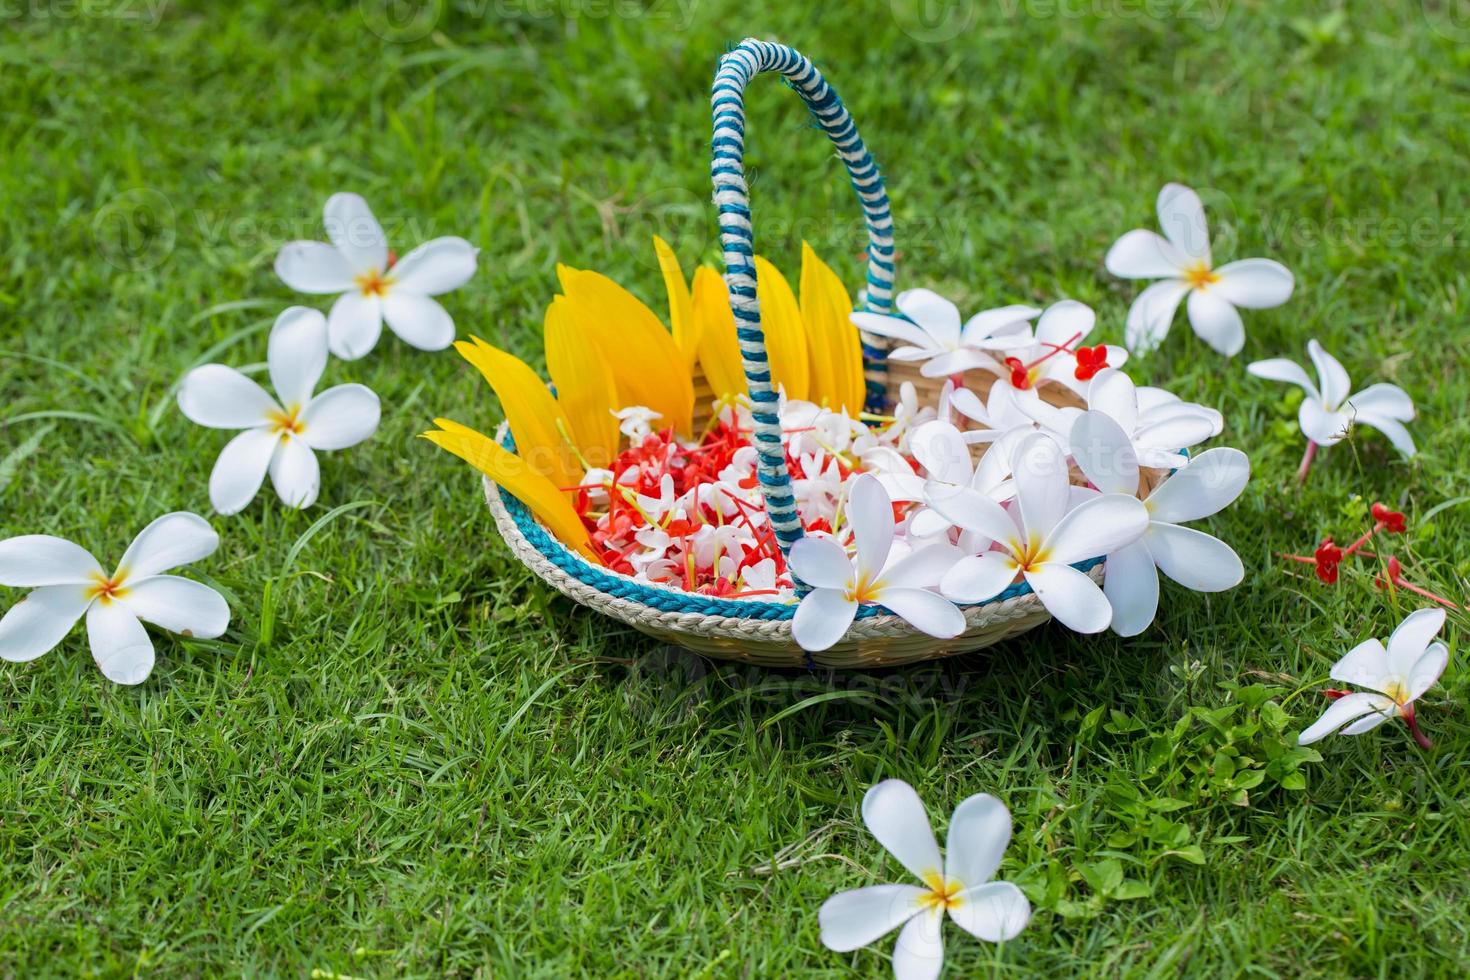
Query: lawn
x=409, y=758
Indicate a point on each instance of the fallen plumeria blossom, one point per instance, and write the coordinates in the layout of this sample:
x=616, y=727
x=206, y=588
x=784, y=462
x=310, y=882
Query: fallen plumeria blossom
x=1203, y=486
x=1181, y=260
x=1394, y=677
x=281, y=435
x=1040, y=536
x=1329, y=412
x=372, y=286
x=840, y=584
x=69, y=583
x=959, y=884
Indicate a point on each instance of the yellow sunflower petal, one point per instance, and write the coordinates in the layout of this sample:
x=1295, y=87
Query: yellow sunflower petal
x=584, y=385
x=647, y=366
x=549, y=504
x=681, y=306
x=786, y=345
x=540, y=427
x=719, y=350
x=836, y=352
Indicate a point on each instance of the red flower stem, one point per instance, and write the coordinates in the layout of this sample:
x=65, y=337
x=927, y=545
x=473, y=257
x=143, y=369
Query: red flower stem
x=1311, y=454
x=1301, y=558
x=1352, y=548
x=1413, y=723
x=957, y=379
x=1426, y=593
x=1055, y=350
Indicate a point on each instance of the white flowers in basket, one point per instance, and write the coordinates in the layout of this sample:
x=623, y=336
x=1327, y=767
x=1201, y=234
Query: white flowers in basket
x=1055, y=488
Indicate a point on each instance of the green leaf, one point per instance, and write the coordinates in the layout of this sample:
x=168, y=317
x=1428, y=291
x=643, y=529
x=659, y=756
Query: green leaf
x=1193, y=854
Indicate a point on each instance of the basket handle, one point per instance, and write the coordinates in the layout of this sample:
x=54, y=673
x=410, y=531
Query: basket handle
x=732, y=197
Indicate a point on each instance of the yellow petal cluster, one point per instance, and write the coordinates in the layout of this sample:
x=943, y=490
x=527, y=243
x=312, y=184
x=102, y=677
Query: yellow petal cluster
x=606, y=350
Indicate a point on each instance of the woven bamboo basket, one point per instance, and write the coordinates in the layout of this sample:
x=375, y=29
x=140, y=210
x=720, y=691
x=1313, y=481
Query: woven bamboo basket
x=752, y=630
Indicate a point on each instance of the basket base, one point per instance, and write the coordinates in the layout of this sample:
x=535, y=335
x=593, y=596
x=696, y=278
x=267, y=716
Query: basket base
x=863, y=654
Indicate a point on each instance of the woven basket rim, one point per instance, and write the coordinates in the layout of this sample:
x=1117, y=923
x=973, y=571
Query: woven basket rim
x=672, y=599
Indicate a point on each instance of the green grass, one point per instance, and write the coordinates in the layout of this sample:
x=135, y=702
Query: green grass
x=421, y=763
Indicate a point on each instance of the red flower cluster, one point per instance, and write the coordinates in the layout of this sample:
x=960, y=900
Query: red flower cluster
x=1328, y=557
x=670, y=499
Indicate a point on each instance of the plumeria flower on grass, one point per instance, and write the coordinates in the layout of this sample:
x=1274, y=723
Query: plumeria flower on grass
x=371, y=286
x=841, y=584
x=1330, y=408
x=281, y=435
x=1180, y=259
x=958, y=885
x=1040, y=537
x=930, y=332
x=1394, y=679
x=1205, y=485
x=69, y=583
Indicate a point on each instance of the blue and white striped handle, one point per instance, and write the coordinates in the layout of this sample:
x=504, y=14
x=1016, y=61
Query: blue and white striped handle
x=732, y=196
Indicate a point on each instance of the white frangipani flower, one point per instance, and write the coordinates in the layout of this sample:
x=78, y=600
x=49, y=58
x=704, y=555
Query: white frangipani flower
x=636, y=422
x=372, y=288
x=1159, y=425
x=1040, y=537
x=1004, y=410
x=958, y=884
x=1328, y=411
x=944, y=453
x=1181, y=260
x=69, y=583
x=840, y=584
x=280, y=436
x=1202, y=486
x=1394, y=677
x=930, y=332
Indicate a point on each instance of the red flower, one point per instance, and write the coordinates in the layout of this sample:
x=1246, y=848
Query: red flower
x=1392, y=521
x=1393, y=574
x=1091, y=360
x=1020, y=374
x=1328, y=556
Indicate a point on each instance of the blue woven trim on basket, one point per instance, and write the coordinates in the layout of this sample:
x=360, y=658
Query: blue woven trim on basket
x=737, y=69
x=624, y=587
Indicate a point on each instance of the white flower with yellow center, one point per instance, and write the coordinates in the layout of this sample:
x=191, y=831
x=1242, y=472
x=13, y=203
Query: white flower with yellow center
x=1200, y=487
x=280, y=436
x=372, y=287
x=958, y=885
x=69, y=583
x=841, y=584
x=1040, y=536
x=1180, y=259
x=1395, y=678
x=1331, y=408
